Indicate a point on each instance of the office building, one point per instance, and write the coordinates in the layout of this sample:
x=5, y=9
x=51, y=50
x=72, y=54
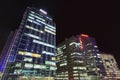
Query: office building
x=78, y=58
x=31, y=50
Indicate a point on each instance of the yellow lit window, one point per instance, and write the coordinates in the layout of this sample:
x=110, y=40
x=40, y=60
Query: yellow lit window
x=36, y=55
x=53, y=58
x=29, y=54
x=21, y=52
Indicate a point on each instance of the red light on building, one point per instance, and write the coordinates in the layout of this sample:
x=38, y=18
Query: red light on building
x=80, y=40
x=84, y=35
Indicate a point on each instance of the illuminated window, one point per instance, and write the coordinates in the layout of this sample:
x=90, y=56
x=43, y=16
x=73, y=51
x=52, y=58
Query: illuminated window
x=17, y=71
x=50, y=32
x=36, y=55
x=30, y=17
x=44, y=12
x=74, y=43
x=29, y=54
x=21, y=52
x=36, y=23
x=74, y=67
x=42, y=67
x=96, y=46
x=37, y=17
x=50, y=63
x=76, y=53
x=51, y=29
x=63, y=64
x=28, y=65
x=48, y=53
x=53, y=58
x=28, y=59
x=43, y=43
x=82, y=68
x=29, y=20
x=49, y=18
x=78, y=61
x=18, y=64
x=36, y=66
x=29, y=27
x=32, y=12
x=53, y=68
x=33, y=36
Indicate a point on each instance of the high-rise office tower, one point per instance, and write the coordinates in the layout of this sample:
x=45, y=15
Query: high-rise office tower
x=78, y=58
x=31, y=52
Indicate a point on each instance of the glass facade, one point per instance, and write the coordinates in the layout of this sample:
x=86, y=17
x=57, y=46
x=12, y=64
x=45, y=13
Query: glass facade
x=32, y=49
x=78, y=58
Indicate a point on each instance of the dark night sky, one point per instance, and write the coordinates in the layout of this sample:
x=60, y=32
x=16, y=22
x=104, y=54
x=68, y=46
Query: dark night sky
x=97, y=19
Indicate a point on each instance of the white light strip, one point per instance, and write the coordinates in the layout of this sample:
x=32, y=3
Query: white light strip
x=50, y=32
x=33, y=29
x=33, y=36
x=74, y=43
x=44, y=12
x=50, y=63
x=36, y=23
x=43, y=43
x=37, y=17
x=32, y=12
x=49, y=18
x=50, y=29
x=49, y=53
x=30, y=20
x=28, y=53
x=31, y=17
x=49, y=26
x=40, y=18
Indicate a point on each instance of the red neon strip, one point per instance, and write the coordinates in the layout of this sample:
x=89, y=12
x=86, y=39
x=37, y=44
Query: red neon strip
x=84, y=35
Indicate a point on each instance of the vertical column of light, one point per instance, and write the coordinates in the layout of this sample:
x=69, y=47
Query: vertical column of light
x=4, y=53
x=81, y=43
x=7, y=67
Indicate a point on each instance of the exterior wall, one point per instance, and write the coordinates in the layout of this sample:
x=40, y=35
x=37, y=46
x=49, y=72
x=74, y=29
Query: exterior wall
x=78, y=58
x=32, y=50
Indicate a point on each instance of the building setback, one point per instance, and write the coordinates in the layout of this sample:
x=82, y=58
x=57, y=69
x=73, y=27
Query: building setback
x=31, y=52
x=78, y=58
